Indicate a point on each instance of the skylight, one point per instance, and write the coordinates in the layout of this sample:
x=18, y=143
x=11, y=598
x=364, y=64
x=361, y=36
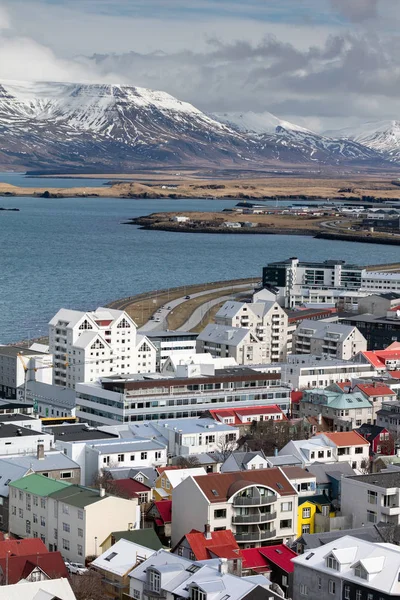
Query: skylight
x=111, y=556
x=215, y=492
x=193, y=568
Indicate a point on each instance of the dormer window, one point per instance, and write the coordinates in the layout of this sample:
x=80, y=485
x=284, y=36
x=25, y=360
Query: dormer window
x=123, y=324
x=154, y=580
x=332, y=563
x=85, y=325
x=197, y=594
x=360, y=572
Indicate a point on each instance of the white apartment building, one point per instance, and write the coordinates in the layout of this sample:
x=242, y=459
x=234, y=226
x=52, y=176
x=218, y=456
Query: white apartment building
x=372, y=498
x=266, y=320
x=348, y=447
x=17, y=439
x=257, y=505
x=328, y=340
x=302, y=371
x=176, y=343
x=87, y=346
x=117, y=400
x=69, y=518
x=380, y=281
x=19, y=365
x=236, y=342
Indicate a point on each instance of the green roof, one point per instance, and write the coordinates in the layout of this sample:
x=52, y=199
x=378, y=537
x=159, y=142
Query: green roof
x=77, y=495
x=39, y=485
x=143, y=537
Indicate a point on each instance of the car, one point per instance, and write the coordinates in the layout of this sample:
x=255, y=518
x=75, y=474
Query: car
x=77, y=568
x=187, y=297
x=152, y=318
x=168, y=308
x=157, y=319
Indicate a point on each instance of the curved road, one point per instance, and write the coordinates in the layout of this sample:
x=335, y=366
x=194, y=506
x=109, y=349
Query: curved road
x=165, y=310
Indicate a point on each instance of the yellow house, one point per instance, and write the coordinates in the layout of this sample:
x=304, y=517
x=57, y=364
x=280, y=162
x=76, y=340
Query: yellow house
x=308, y=507
x=169, y=478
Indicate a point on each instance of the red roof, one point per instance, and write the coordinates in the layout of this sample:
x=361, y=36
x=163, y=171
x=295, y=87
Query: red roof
x=279, y=555
x=296, y=397
x=378, y=358
x=25, y=547
x=378, y=389
x=20, y=567
x=343, y=385
x=345, y=438
x=161, y=470
x=253, y=559
x=221, y=543
x=130, y=487
x=246, y=411
x=395, y=374
x=164, y=508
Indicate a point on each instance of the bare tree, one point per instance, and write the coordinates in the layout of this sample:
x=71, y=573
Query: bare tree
x=273, y=435
x=225, y=447
x=187, y=462
x=87, y=586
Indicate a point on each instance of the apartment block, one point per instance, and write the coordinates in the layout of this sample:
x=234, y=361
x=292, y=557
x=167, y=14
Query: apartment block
x=19, y=365
x=178, y=343
x=87, y=346
x=259, y=506
x=341, y=411
x=235, y=342
x=328, y=340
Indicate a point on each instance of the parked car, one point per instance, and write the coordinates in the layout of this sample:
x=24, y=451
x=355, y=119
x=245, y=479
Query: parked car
x=187, y=297
x=157, y=319
x=77, y=568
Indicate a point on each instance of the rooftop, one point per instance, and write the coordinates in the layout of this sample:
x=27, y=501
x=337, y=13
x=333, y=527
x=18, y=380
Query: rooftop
x=13, y=351
x=8, y=430
x=346, y=438
x=122, y=557
x=78, y=432
x=383, y=479
x=220, y=543
x=143, y=537
x=77, y=495
x=39, y=485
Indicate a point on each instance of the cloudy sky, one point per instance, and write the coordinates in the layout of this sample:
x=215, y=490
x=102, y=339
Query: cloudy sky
x=321, y=63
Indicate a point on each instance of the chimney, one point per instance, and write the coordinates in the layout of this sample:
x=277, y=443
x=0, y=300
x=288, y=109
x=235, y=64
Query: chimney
x=223, y=567
x=40, y=452
x=102, y=492
x=207, y=531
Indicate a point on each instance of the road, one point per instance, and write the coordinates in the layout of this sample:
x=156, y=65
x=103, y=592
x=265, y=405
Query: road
x=165, y=310
x=196, y=317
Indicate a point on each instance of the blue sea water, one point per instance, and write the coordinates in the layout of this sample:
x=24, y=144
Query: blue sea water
x=75, y=253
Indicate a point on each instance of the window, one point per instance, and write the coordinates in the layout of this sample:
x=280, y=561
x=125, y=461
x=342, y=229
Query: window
x=303, y=590
x=80, y=514
x=43, y=502
x=55, y=534
x=42, y=537
x=332, y=563
x=331, y=586
x=66, y=527
x=154, y=580
x=325, y=511
x=320, y=583
x=372, y=497
x=80, y=532
x=35, y=519
x=220, y=513
x=132, y=459
x=306, y=513
x=20, y=513
x=286, y=524
x=21, y=495
x=358, y=594
x=286, y=506
x=80, y=550
x=371, y=516
x=42, y=521
x=143, y=455
x=360, y=572
x=197, y=594
x=66, y=475
x=28, y=501
x=28, y=527
x=180, y=551
x=370, y=597
x=121, y=457
x=346, y=592
x=136, y=594
x=305, y=528
x=65, y=544
x=358, y=450
x=35, y=501
x=65, y=509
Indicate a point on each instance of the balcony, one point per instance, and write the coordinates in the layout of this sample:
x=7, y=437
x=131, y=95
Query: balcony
x=390, y=510
x=254, y=500
x=254, y=518
x=255, y=536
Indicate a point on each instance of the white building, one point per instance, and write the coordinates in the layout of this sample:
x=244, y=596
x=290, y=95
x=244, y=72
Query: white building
x=87, y=346
x=19, y=365
x=372, y=498
x=328, y=340
x=302, y=371
x=380, y=281
x=50, y=589
x=17, y=439
x=258, y=506
x=266, y=320
x=51, y=400
x=69, y=518
x=236, y=342
x=168, y=343
x=348, y=447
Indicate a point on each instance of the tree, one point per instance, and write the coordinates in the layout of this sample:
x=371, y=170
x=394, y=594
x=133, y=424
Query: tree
x=272, y=435
x=87, y=586
x=225, y=447
x=187, y=462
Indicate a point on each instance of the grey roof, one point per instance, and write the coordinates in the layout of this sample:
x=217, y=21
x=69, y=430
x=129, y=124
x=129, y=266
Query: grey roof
x=335, y=470
x=9, y=472
x=242, y=458
x=54, y=394
x=384, y=479
x=192, y=425
x=223, y=334
x=15, y=350
x=78, y=495
x=284, y=460
x=134, y=445
x=369, y=533
x=321, y=328
x=8, y=418
x=52, y=461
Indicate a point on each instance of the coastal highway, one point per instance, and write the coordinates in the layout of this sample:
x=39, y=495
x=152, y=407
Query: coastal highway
x=165, y=310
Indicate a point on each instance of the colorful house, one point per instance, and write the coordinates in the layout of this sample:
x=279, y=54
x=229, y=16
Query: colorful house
x=308, y=507
x=170, y=477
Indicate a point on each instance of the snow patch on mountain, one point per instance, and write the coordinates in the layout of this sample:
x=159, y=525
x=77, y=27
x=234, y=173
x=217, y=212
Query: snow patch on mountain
x=382, y=136
x=260, y=123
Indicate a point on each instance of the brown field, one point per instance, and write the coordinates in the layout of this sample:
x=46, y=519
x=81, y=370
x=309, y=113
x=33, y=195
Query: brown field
x=188, y=186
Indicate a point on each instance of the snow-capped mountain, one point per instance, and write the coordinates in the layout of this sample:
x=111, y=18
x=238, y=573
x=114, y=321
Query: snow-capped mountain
x=382, y=136
x=116, y=127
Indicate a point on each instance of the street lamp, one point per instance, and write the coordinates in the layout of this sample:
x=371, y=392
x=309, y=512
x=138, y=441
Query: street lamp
x=95, y=545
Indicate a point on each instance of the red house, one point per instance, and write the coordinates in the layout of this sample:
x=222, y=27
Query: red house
x=380, y=439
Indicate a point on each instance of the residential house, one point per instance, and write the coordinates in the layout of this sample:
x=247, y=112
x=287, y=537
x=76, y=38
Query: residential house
x=372, y=498
x=160, y=514
x=170, y=477
x=89, y=345
x=131, y=488
x=309, y=541
x=68, y=517
x=328, y=478
x=325, y=339
x=51, y=589
x=275, y=561
x=348, y=568
x=142, y=537
x=207, y=544
x=379, y=438
x=245, y=416
x=309, y=507
x=170, y=576
x=16, y=439
x=259, y=506
x=243, y=461
x=376, y=392
x=41, y=566
x=236, y=342
x=341, y=411
x=266, y=320
x=116, y=563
